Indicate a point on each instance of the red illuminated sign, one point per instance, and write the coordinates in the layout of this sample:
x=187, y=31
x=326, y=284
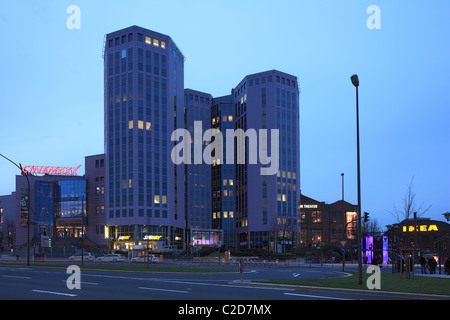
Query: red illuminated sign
x=65, y=171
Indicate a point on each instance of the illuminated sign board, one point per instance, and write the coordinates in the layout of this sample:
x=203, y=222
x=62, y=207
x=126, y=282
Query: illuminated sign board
x=421, y=228
x=308, y=206
x=150, y=237
x=64, y=171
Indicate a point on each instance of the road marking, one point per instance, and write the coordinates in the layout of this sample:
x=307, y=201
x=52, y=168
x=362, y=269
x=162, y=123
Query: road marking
x=18, y=277
x=57, y=293
x=157, y=289
x=225, y=285
x=82, y=282
x=313, y=296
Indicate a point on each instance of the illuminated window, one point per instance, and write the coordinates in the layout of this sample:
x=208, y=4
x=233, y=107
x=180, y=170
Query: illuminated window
x=130, y=183
x=164, y=199
x=289, y=174
x=230, y=118
x=140, y=124
x=225, y=193
x=278, y=197
x=214, y=215
x=163, y=44
x=148, y=40
x=156, y=42
x=284, y=197
x=278, y=173
x=231, y=214
x=148, y=126
x=225, y=182
x=214, y=121
x=156, y=199
x=130, y=124
x=230, y=182
x=225, y=214
x=224, y=118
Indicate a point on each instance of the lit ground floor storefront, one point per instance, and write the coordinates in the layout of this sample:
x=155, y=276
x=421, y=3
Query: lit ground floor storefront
x=154, y=238
x=273, y=241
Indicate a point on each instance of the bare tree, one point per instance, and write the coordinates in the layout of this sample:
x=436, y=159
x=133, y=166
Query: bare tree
x=409, y=206
x=371, y=227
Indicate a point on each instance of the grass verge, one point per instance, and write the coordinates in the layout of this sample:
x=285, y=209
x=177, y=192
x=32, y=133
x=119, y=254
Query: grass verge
x=390, y=282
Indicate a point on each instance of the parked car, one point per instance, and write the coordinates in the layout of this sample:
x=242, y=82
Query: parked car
x=152, y=257
x=112, y=257
x=87, y=256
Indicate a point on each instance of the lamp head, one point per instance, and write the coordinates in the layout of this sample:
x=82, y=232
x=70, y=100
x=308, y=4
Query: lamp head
x=355, y=80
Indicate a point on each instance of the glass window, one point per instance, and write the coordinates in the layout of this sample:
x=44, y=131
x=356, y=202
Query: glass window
x=130, y=124
x=156, y=42
x=140, y=124
x=148, y=40
x=163, y=44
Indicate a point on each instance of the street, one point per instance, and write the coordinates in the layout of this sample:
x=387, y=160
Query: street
x=43, y=283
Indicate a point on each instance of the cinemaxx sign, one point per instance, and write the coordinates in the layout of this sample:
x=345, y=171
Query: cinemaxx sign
x=64, y=171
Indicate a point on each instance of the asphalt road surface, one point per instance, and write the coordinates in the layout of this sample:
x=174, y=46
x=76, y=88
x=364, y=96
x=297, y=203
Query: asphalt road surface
x=31, y=283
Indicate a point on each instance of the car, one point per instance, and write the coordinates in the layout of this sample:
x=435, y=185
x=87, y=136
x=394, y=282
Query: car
x=152, y=257
x=87, y=256
x=112, y=257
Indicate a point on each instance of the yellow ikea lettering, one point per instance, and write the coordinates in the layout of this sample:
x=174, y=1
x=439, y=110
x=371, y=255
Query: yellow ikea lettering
x=421, y=228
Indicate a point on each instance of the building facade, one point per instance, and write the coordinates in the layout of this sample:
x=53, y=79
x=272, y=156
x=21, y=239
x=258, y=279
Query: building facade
x=144, y=95
x=326, y=224
x=245, y=198
x=224, y=174
x=61, y=205
x=266, y=204
x=428, y=237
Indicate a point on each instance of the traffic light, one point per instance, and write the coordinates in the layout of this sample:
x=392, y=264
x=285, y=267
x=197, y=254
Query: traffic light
x=366, y=217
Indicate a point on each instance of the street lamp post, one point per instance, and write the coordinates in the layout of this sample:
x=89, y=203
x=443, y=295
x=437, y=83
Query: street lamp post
x=355, y=81
x=24, y=173
x=82, y=228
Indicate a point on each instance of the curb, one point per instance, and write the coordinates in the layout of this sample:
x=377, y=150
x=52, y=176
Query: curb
x=344, y=290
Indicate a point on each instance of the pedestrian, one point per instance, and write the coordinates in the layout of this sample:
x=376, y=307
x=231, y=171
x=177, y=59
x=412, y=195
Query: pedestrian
x=432, y=265
x=423, y=264
x=447, y=266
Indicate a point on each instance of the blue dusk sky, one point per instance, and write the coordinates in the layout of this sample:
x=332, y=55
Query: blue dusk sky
x=52, y=84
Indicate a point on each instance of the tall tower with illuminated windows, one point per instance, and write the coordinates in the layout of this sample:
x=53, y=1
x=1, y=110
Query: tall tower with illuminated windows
x=144, y=101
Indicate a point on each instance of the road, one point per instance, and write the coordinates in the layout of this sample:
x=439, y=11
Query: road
x=31, y=283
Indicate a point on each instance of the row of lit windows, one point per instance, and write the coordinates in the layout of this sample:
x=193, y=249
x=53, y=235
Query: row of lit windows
x=148, y=40
x=283, y=174
x=224, y=119
x=148, y=125
x=226, y=193
x=288, y=185
x=155, y=42
x=226, y=214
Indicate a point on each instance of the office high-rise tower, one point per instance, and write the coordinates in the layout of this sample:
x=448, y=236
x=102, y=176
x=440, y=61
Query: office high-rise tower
x=266, y=205
x=144, y=95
